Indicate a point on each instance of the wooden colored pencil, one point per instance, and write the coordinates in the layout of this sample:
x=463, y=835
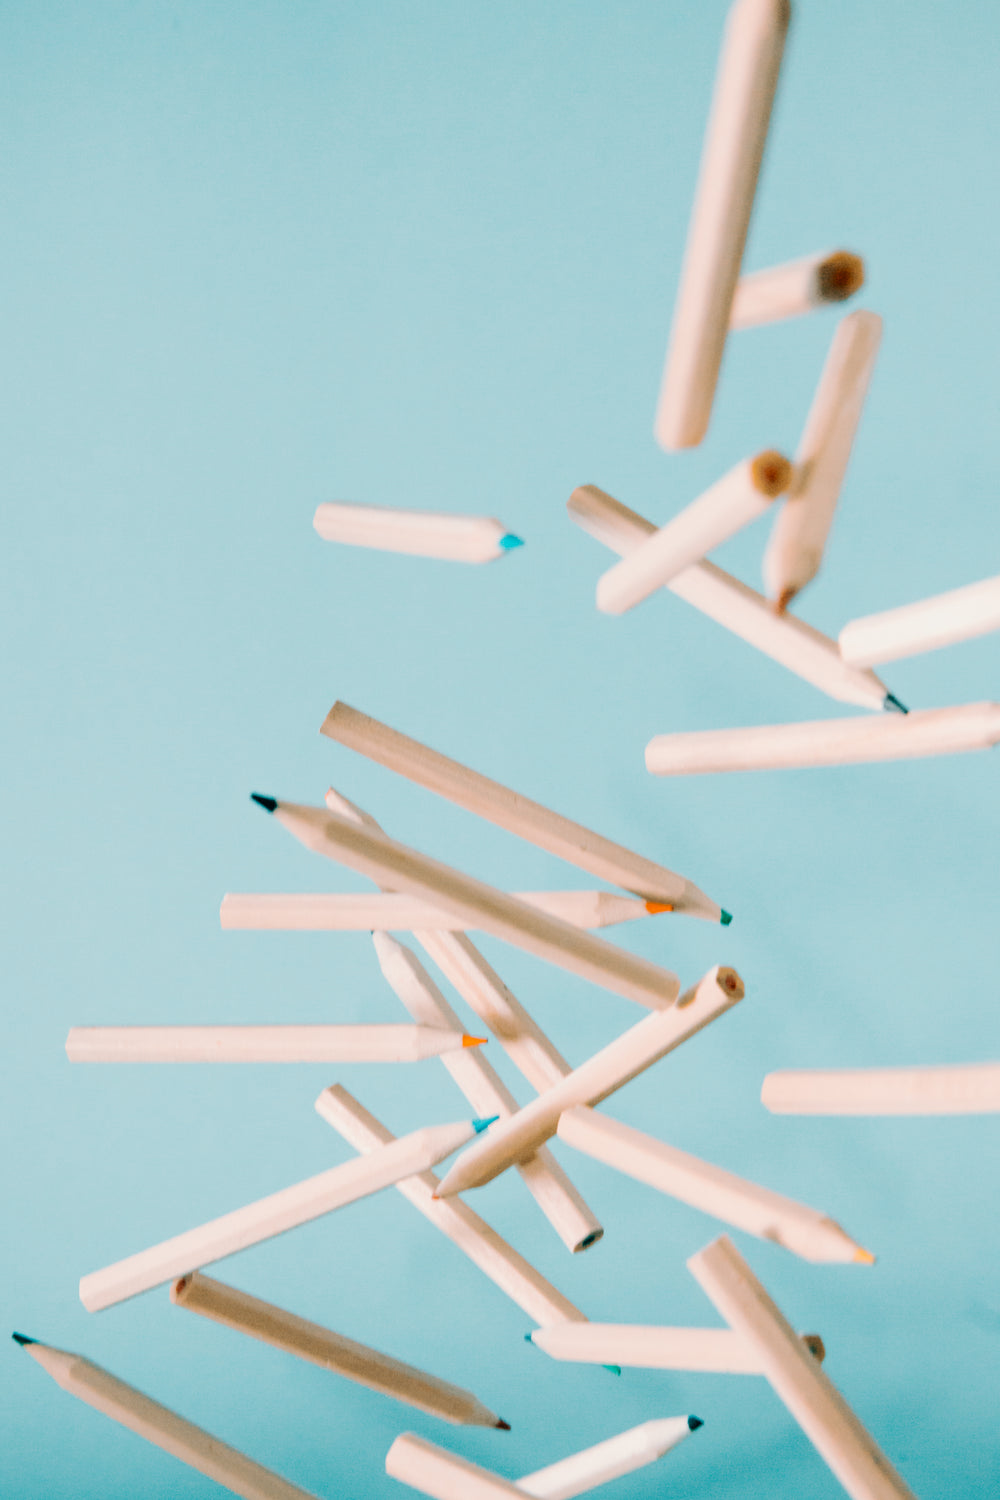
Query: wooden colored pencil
x=468, y=539
x=956, y=1089
x=529, y=820
x=927, y=625
x=738, y=498
x=796, y=287
x=160, y=1426
x=387, y=912
x=641, y=1347
x=262, y=1044
x=623, y=1454
x=826, y=742
x=815, y=1403
x=734, y=146
x=434, y=1471
x=331, y=1351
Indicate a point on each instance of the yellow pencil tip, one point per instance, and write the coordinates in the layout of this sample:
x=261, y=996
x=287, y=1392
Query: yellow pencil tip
x=864, y=1257
x=473, y=1041
x=654, y=906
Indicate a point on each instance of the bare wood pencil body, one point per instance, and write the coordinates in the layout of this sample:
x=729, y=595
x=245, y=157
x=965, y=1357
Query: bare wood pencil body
x=468, y=539
x=927, y=625
x=639, y=1346
x=963, y=1089
x=261, y=1044
x=734, y=1200
x=733, y=605
x=273, y=1215
x=160, y=1426
x=734, y=146
x=814, y=1402
x=477, y=904
x=833, y=742
x=498, y=1260
x=796, y=287
x=434, y=1471
x=739, y=497
x=529, y=820
x=389, y=912
x=331, y=1351
x=622, y=1454
x=802, y=525
x=607, y=1071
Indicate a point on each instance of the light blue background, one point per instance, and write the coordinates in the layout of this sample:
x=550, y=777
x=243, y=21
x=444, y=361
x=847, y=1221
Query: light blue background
x=258, y=256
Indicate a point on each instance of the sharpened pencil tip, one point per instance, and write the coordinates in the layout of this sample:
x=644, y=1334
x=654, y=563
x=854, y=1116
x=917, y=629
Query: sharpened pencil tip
x=481, y=1125
x=529, y=1338
x=657, y=906
x=726, y=917
x=510, y=541
x=892, y=703
x=267, y=803
x=22, y=1338
x=614, y=1369
x=473, y=1041
x=694, y=1423
x=503, y=1426
x=864, y=1257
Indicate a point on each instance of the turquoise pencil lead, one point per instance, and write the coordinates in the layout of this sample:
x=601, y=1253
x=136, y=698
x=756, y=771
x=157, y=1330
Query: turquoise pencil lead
x=726, y=918
x=480, y=1125
x=510, y=541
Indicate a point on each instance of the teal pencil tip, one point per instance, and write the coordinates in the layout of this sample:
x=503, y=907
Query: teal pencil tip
x=615, y=1369
x=694, y=1423
x=527, y=1338
x=480, y=1125
x=726, y=918
x=22, y=1338
x=510, y=541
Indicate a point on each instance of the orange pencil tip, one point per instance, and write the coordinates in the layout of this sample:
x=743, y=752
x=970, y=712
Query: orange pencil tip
x=654, y=906
x=864, y=1257
x=473, y=1041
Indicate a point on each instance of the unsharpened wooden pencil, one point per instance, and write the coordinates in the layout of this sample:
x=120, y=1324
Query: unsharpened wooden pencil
x=727, y=181
x=388, y=912
x=955, y=1089
x=802, y=525
x=757, y=1210
x=271, y=1216
x=642, y=1347
x=738, y=498
x=262, y=1044
x=738, y=608
x=926, y=625
x=331, y=1351
x=796, y=287
x=529, y=820
x=475, y=903
x=602, y=1075
x=498, y=1260
x=826, y=742
x=622, y=1454
x=159, y=1426
x=468, y=539
x=434, y=1471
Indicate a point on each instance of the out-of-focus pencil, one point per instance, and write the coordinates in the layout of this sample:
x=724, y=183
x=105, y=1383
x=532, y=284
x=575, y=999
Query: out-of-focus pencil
x=332, y=1351
x=738, y=498
x=498, y=1260
x=381, y=911
x=826, y=742
x=734, y=145
x=271, y=1216
x=518, y=815
x=468, y=539
x=434, y=1471
x=623, y=1454
x=642, y=1347
x=734, y=1200
x=784, y=638
x=160, y=1426
x=925, y=626
x=475, y=903
x=798, y=536
x=796, y=287
x=262, y=1044
x=815, y=1403
x=962, y=1089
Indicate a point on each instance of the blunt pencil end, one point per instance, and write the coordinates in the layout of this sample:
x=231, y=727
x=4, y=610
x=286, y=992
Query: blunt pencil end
x=726, y=917
x=267, y=803
x=864, y=1257
x=590, y=1239
x=503, y=1426
x=473, y=1041
x=480, y=1125
x=510, y=541
x=653, y=907
x=694, y=1423
x=893, y=705
x=22, y=1338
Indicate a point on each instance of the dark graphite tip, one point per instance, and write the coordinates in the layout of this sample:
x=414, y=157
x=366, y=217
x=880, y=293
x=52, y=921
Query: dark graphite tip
x=726, y=917
x=694, y=1423
x=22, y=1338
x=267, y=803
x=503, y=1426
x=893, y=703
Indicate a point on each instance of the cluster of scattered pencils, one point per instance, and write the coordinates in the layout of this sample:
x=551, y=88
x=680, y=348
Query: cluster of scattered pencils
x=441, y=906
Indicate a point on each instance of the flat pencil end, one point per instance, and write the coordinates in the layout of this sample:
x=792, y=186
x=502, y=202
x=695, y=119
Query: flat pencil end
x=480, y=1125
x=503, y=1426
x=653, y=907
x=267, y=803
x=892, y=704
x=473, y=1041
x=22, y=1338
x=863, y=1257
x=510, y=541
x=725, y=917
x=694, y=1423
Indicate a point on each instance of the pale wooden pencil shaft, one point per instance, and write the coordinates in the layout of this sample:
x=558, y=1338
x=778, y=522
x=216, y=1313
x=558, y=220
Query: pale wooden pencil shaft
x=643, y=1347
x=444, y=1475
x=966, y=1089
x=258, y=1044
x=734, y=145
x=332, y=1351
x=796, y=287
x=623, y=1454
x=927, y=625
x=815, y=1403
x=469, y=539
x=386, y=912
